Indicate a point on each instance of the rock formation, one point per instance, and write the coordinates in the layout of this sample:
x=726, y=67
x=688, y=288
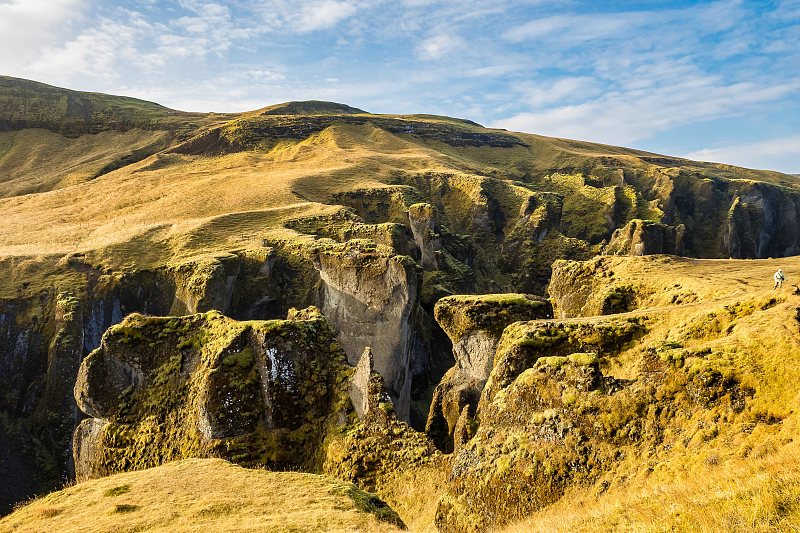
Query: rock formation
x=645, y=237
x=586, y=288
x=257, y=393
x=474, y=325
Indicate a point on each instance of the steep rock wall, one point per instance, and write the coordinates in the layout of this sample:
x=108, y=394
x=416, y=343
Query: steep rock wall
x=371, y=296
x=640, y=237
x=588, y=288
x=474, y=324
x=45, y=335
x=535, y=434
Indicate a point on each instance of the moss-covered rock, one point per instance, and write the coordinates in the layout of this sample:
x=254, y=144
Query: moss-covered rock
x=379, y=447
x=423, y=224
x=588, y=288
x=257, y=393
x=551, y=420
x=370, y=294
x=646, y=237
x=524, y=343
x=474, y=325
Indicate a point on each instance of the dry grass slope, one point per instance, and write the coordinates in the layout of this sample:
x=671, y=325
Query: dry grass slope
x=201, y=495
x=712, y=470
x=759, y=495
x=114, y=190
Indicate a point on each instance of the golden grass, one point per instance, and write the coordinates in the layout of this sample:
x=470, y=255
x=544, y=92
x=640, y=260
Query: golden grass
x=748, y=495
x=712, y=470
x=197, y=495
x=36, y=160
x=415, y=495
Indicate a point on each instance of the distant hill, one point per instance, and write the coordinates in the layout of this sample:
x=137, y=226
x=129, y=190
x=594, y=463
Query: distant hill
x=310, y=107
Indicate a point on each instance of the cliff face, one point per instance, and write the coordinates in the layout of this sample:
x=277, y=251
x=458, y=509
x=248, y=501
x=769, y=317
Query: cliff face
x=736, y=219
x=526, y=423
x=372, y=300
x=474, y=324
x=274, y=393
x=160, y=389
x=646, y=238
x=588, y=288
x=45, y=336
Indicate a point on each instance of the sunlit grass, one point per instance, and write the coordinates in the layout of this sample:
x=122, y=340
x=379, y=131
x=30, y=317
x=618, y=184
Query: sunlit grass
x=198, y=495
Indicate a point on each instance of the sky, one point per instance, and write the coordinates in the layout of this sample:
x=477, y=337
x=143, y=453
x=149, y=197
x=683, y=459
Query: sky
x=709, y=80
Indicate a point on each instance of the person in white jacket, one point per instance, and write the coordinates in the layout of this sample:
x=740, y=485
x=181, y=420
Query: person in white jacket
x=778, y=277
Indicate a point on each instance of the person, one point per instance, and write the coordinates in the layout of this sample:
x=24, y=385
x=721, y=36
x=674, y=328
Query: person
x=778, y=277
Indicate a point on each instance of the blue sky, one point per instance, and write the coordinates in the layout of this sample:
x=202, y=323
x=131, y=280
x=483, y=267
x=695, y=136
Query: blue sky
x=711, y=80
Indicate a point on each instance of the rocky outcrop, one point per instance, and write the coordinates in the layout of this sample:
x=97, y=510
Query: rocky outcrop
x=160, y=389
x=763, y=221
x=588, y=288
x=535, y=240
x=536, y=445
x=367, y=389
x=554, y=418
x=422, y=221
x=276, y=394
x=534, y=422
x=474, y=324
x=372, y=452
x=523, y=343
x=646, y=237
x=371, y=296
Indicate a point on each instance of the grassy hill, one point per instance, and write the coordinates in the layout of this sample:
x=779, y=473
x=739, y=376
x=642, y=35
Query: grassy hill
x=52, y=138
x=205, y=494
x=136, y=169
x=686, y=423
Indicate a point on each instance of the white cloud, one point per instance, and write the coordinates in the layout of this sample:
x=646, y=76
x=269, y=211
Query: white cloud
x=782, y=153
x=27, y=25
x=629, y=116
x=303, y=16
x=439, y=44
x=575, y=28
x=94, y=53
x=126, y=44
x=550, y=92
x=323, y=15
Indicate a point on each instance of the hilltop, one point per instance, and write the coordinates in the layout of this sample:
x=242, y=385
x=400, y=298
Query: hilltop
x=117, y=212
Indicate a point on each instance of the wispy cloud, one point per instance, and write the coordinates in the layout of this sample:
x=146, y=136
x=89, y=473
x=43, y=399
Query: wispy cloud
x=577, y=28
x=303, y=16
x=769, y=153
x=626, y=117
x=440, y=43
